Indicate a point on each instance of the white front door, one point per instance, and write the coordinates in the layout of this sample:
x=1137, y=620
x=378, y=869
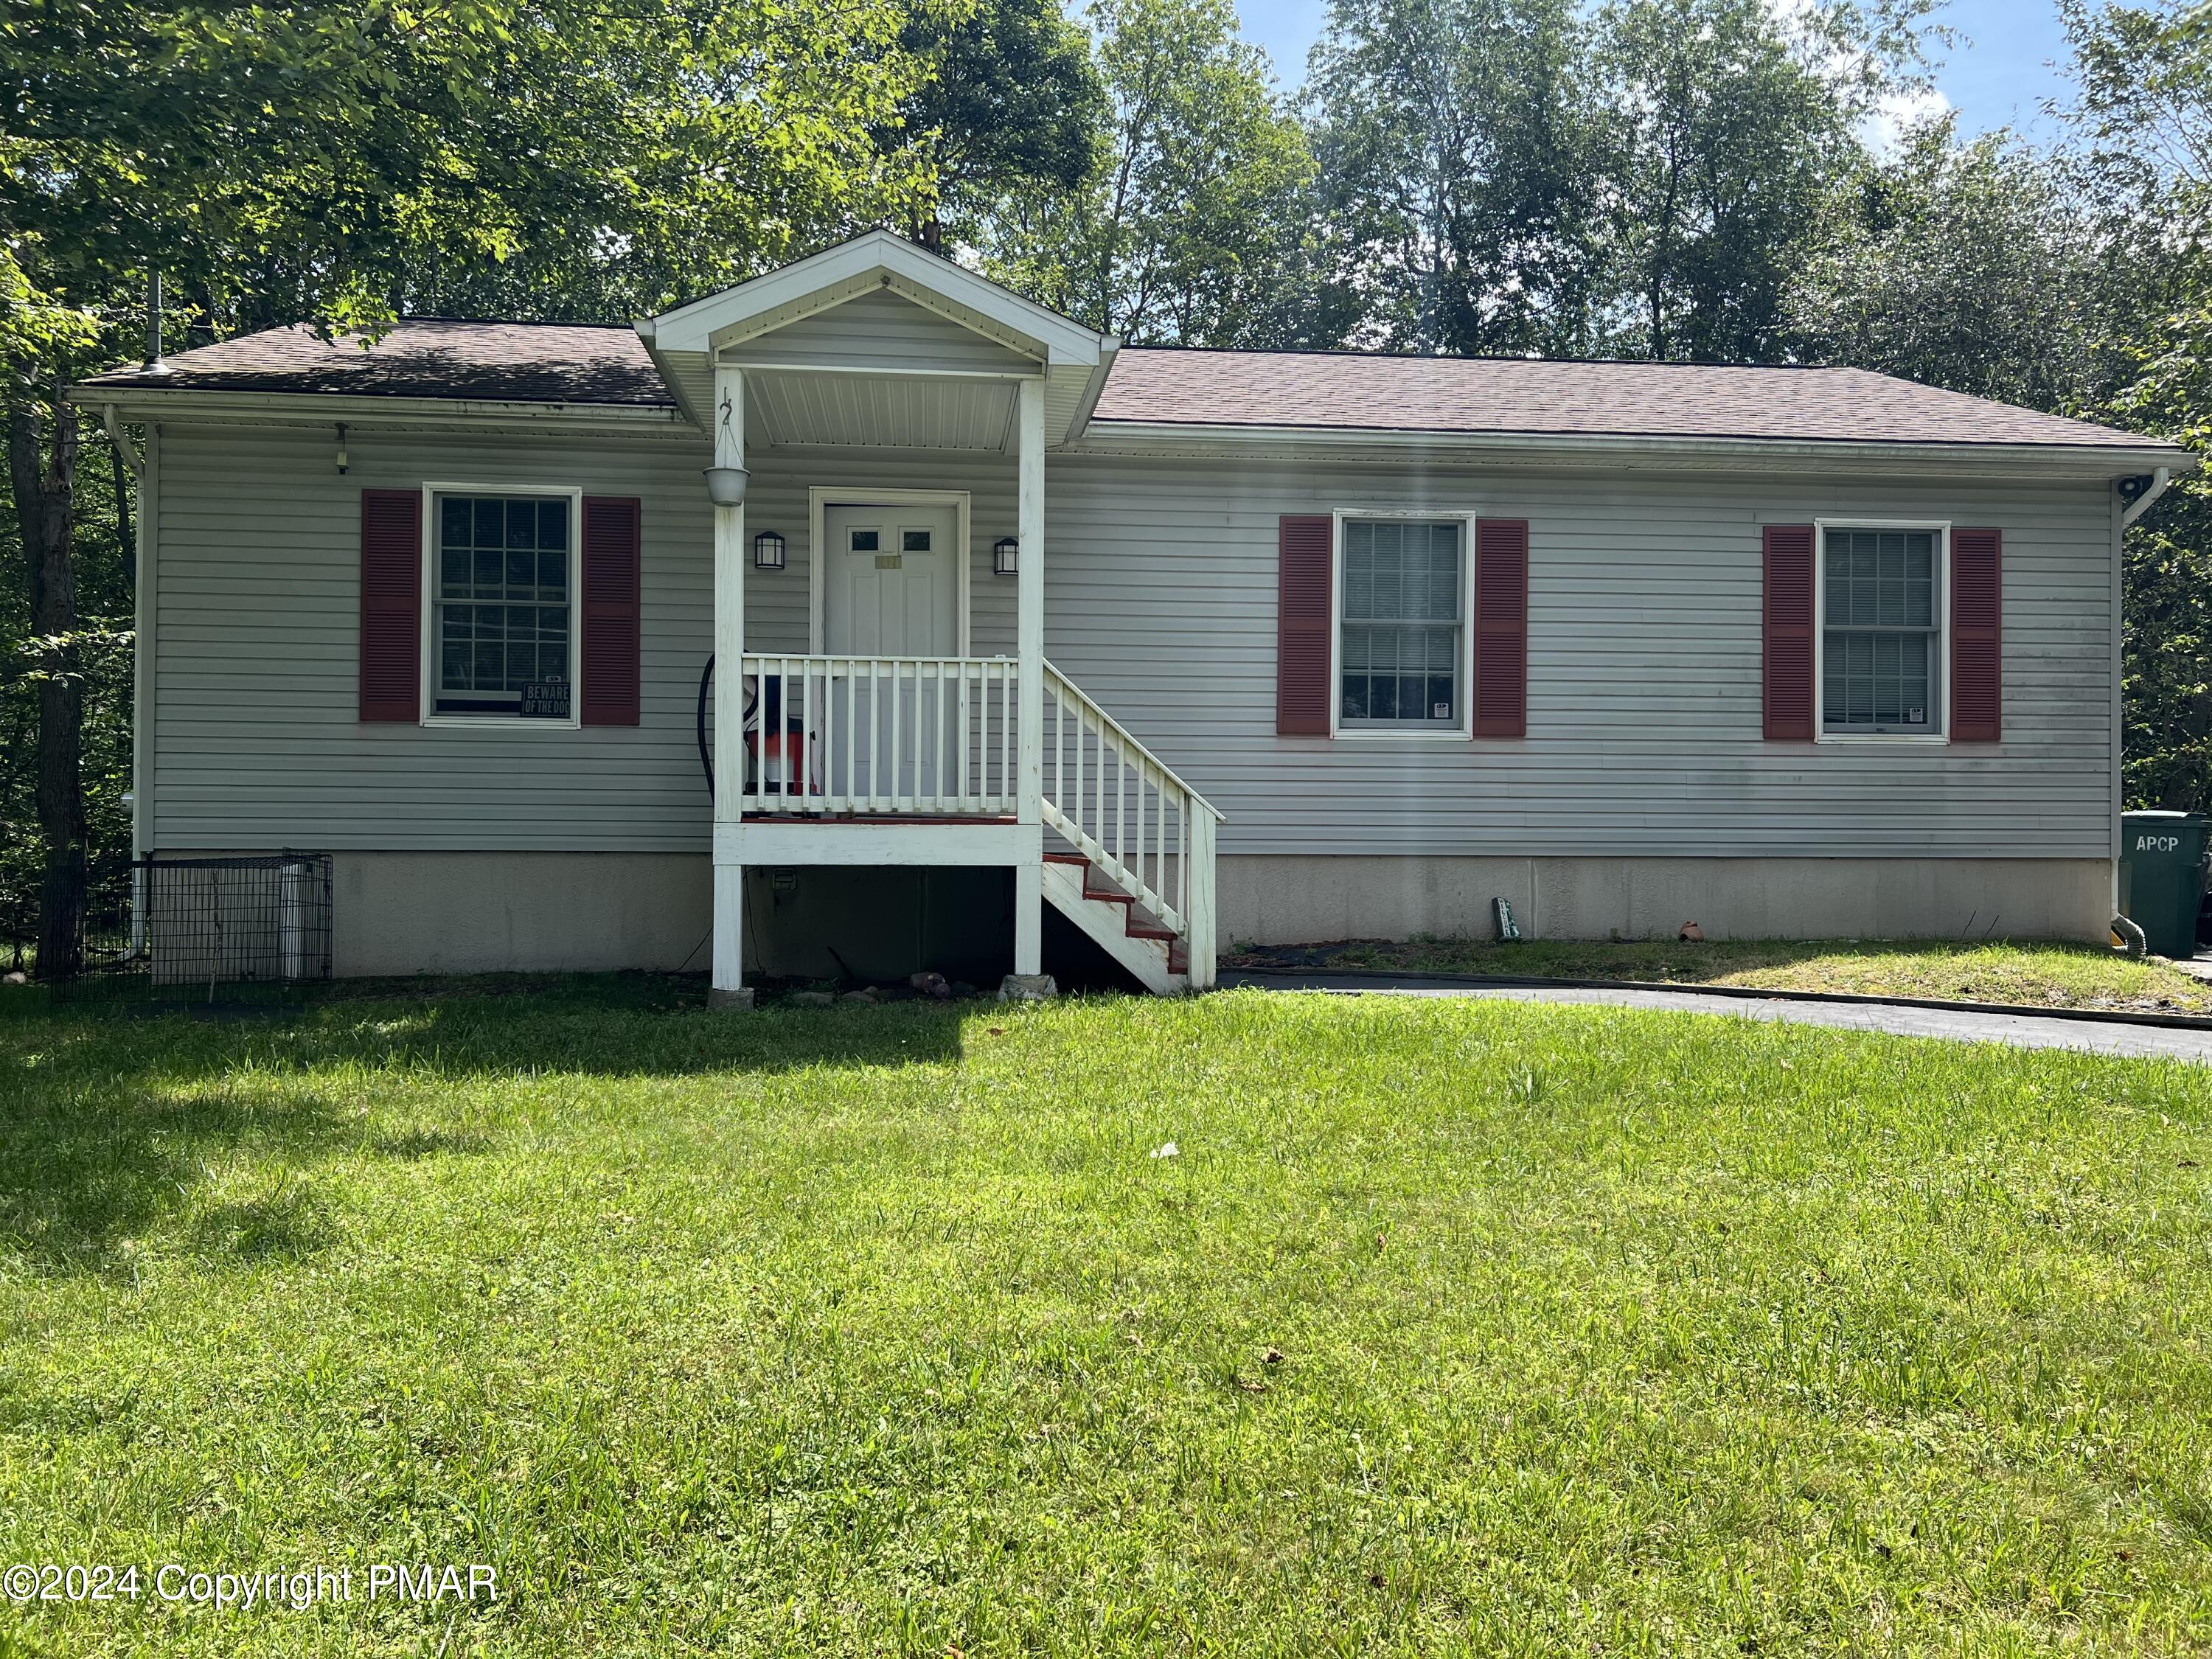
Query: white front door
x=890, y=585
x=891, y=588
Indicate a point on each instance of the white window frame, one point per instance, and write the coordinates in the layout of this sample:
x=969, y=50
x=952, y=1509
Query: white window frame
x=822, y=497
x=1940, y=678
x=575, y=496
x=1464, y=730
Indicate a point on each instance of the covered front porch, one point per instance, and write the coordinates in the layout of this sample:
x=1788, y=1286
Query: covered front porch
x=886, y=389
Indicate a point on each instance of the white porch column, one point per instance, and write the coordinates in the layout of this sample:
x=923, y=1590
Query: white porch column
x=1029, y=634
x=729, y=700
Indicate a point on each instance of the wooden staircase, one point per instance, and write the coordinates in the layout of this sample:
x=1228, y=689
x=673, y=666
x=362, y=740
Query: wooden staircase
x=1134, y=867
x=1150, y=949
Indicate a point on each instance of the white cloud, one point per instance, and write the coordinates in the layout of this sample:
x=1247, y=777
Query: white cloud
x=1886, y=123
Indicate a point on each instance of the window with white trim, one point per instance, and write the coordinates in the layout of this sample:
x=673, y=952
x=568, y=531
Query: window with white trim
x=1400, y=630
x=503, y=577
x=1880, y=639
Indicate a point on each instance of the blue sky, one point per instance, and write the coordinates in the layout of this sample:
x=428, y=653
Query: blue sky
x=1997, y=76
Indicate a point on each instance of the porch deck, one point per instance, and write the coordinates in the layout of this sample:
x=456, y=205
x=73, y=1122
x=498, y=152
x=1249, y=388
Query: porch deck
x=914, y=760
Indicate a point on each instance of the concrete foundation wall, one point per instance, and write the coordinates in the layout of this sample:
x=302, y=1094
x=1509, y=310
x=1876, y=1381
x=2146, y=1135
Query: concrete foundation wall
x=467, y=913
x=1269, y=900
x=461, y=913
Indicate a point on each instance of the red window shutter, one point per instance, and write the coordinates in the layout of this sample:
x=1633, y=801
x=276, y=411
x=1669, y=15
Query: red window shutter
x=1788, y=651
x=1977, y=635
x=392, y=604
x=1305, y=575
x=1501, y=627
x=611, y=633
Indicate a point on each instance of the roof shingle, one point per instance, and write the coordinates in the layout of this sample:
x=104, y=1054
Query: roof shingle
x=585, y=363
x=1469, y=395
x=424, y=357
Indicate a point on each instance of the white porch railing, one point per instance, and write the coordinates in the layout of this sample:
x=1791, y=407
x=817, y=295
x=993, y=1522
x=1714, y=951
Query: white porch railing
x=908, y=736
x=938, y=736
x=1115, y=802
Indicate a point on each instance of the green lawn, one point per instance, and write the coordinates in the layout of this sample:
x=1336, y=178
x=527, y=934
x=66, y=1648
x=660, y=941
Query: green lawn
x=1450, y=1329
x=2046, y=973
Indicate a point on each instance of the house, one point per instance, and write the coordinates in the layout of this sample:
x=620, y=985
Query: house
x=1019, y=636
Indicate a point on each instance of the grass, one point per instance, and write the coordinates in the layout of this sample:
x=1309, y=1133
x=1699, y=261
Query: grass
x=1450, y=1329
x=2046, y=973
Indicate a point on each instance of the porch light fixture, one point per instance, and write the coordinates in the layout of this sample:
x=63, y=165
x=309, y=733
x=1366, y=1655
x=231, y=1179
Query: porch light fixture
x=1005, y=552
x=725, y=485
x=767, y=551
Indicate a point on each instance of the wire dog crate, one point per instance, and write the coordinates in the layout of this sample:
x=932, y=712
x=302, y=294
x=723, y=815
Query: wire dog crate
x=209, y=931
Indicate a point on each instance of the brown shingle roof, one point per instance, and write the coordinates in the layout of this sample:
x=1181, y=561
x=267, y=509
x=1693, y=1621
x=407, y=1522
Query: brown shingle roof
x=583, y=363
x=1521, y=396
x=423, y=357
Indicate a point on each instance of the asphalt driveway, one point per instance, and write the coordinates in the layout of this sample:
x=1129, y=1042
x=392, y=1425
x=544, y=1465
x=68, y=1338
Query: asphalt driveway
x=2129, y=1039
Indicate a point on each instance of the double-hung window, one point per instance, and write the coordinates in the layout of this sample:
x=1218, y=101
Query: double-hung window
x=1401, y=630
x=1881, y=630
x=503, y=575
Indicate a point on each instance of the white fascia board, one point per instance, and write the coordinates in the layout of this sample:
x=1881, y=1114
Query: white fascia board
x=1626, y=451
x=672, y=381
x=850, y=268
x=418, y=414
x=1108, y=350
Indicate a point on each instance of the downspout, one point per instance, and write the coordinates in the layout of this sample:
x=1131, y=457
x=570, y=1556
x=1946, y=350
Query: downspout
x=112, y=419
x=143, y=826
x=2160, y=482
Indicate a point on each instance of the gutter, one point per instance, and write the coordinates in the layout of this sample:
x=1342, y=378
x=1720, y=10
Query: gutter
x=371, y=410
x=2082, y=462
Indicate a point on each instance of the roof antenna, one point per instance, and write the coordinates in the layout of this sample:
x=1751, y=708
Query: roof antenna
x=154, y=365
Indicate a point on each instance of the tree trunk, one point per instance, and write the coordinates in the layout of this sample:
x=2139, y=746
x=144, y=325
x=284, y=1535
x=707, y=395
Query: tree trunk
x=44, y=475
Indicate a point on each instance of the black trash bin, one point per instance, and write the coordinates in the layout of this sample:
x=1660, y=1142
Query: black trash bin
x=2162, y=877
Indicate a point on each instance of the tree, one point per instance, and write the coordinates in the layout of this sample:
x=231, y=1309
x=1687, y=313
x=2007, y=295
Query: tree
x=2141, y=129
x=1458, y=141
x=1967, y=266
x=1012, y=103
x=1189, y=229
x=1724, y=135
x=294, y=160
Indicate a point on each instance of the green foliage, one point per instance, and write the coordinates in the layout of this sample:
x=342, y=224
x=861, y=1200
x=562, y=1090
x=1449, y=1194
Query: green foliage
x=1725, y=131
x=1459, y=142
x=1449, y=1330
x=1013, y=102
x=101, y=652
x=1191, y=229
x=1970, y=266
x=301, y=160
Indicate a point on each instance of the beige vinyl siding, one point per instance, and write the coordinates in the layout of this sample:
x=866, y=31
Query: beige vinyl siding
x=1643, y=642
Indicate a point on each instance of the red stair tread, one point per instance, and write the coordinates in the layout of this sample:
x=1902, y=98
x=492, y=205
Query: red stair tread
x=1134, y=925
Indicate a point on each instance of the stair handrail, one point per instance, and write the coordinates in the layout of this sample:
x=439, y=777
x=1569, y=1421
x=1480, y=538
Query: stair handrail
x=1068, y=689
x=1194, y=920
